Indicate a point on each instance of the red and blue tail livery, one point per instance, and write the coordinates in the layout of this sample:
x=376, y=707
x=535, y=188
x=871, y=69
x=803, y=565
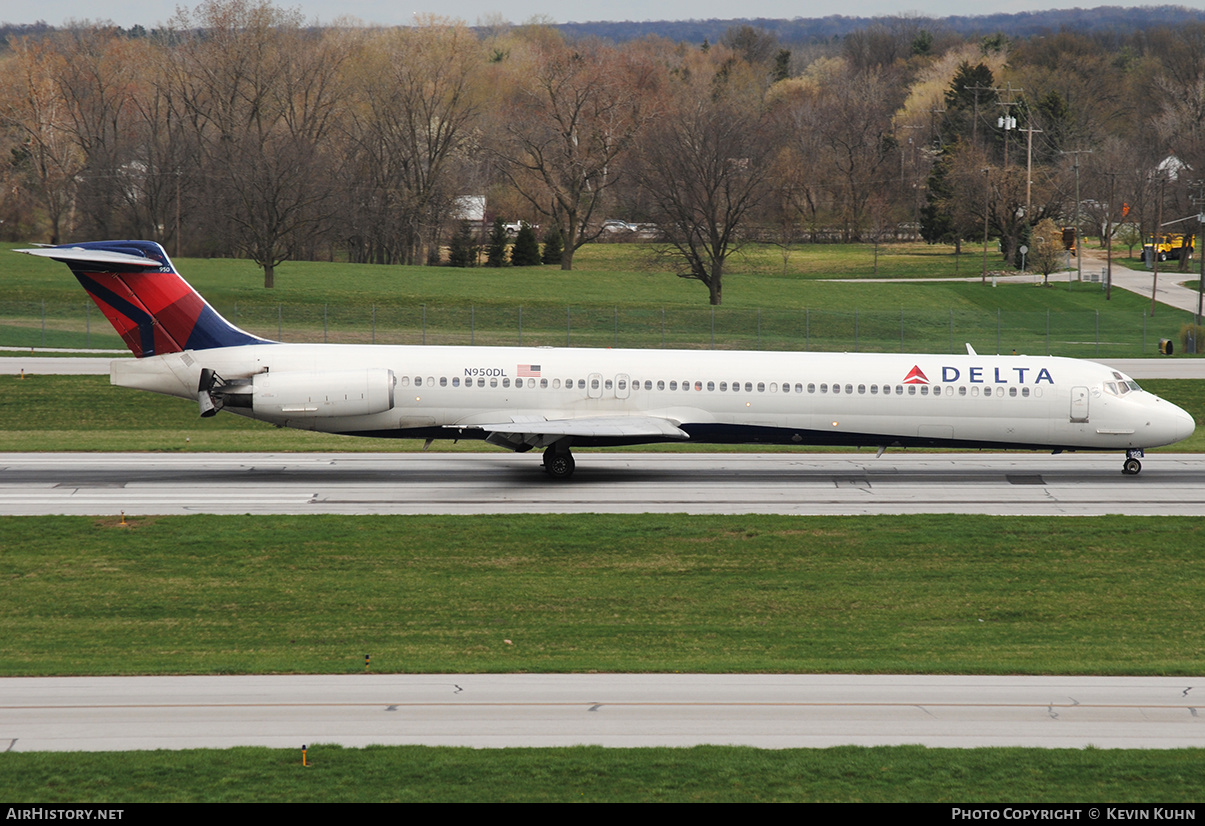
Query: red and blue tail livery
x=139, y=291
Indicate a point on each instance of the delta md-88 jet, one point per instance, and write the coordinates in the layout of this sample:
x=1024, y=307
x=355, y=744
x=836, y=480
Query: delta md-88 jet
x=557, y=398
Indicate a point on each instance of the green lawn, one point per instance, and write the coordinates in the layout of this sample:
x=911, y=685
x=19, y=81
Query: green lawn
x=576, y=593
x=705, y=774
x=615, y=299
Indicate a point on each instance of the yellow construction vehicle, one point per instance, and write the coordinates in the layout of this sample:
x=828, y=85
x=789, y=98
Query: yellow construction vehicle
x=1170, y=246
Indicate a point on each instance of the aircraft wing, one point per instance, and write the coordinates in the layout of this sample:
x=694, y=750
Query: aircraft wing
x=539, y=431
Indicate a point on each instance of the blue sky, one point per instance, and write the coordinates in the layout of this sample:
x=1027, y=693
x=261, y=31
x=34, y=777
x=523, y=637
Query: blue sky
x=392, y=12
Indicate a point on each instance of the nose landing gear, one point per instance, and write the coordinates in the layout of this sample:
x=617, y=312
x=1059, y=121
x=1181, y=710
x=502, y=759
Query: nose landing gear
x=1132, y=466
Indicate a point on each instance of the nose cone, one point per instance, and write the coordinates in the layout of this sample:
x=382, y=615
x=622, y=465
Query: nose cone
x=1184, y=424
x=1170, y=424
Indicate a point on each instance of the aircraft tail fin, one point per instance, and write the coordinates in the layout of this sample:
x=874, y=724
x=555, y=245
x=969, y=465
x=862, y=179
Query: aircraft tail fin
x=153, y=309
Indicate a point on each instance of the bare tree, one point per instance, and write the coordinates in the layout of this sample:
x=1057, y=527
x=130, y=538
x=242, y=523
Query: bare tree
x=705, y=166
x=421, y=97
x=33, y=109
x=572, y=110
x=262, y=92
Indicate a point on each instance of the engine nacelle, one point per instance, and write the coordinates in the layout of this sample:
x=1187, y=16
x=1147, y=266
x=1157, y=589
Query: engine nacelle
x=323, y=394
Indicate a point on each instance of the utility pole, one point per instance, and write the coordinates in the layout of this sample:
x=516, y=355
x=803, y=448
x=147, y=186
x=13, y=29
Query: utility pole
x=1029, y=130
x=986, y=192
x=1007, y=122
x=1199, y=203
x=1109, y=240
x=1155, y=243
x=1079, y=246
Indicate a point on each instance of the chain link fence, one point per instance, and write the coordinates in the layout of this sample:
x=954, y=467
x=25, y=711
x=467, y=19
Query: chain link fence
x=1087, y=334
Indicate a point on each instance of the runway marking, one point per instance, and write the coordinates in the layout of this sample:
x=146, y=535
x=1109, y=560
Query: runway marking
x=593, y=706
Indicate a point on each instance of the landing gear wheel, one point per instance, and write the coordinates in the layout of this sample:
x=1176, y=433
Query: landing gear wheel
x=559, y=464
x=1131, y=467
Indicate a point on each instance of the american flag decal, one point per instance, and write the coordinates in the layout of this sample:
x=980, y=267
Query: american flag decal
x=528, y=371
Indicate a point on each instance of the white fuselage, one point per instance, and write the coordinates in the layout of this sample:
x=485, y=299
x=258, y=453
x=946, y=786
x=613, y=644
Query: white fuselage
x=714, y=396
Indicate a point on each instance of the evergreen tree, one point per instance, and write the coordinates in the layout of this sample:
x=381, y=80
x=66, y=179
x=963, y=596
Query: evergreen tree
x=967, y=101
x=553, y=246
x=462, y=252
x=937, y=224
x=495, y=248
x=526, y=251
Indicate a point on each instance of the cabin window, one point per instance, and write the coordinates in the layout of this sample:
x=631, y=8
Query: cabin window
x=924, y=389
x=456, y=381
x=861, y=390
x=824, y=388
x=912, y=390
x=481, y=382
x=836, y=388
x=1025, y=392
x=506, y=382
x=443, y=381
x=660, y=384
x=786, y=387
x=698, y=385
x=493, y=382
x=798, y=388
x=673, y=385
x=404, y=381
x=710, y=386
x=748, y=387
x=1012, y=391
x=773, y=387
x=723, y=387
x=606, y=384
x=987, y=391
x=761, y=387
x=811, y=387
x=556, y=383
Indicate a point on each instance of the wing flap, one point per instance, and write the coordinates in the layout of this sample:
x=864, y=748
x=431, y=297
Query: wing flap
x=642, y=427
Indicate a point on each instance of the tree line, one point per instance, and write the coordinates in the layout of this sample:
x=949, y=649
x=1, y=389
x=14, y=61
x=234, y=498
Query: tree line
x=238, y=129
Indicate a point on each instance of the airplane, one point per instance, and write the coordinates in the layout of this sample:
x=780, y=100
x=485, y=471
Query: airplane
x=524, y=398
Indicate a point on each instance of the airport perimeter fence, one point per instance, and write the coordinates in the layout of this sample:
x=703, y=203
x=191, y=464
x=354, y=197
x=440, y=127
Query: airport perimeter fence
x=1086, y=334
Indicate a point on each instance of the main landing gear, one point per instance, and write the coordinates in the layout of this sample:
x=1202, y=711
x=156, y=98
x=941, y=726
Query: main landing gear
x=558, y=464
x=1132, y=466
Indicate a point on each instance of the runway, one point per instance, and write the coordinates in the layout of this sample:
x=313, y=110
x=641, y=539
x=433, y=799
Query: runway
x=1079, y=484
x=520, y=710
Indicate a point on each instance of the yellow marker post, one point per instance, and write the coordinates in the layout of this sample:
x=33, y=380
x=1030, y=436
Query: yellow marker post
x=367, y=659
x=303, y=762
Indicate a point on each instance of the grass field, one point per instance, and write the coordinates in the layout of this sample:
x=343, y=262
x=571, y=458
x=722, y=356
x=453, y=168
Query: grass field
x=706, y=774
x=615, y=299
x=86, y=413
x=651, y=593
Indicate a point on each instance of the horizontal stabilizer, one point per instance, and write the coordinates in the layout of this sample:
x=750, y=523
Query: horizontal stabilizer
x=101, y=258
